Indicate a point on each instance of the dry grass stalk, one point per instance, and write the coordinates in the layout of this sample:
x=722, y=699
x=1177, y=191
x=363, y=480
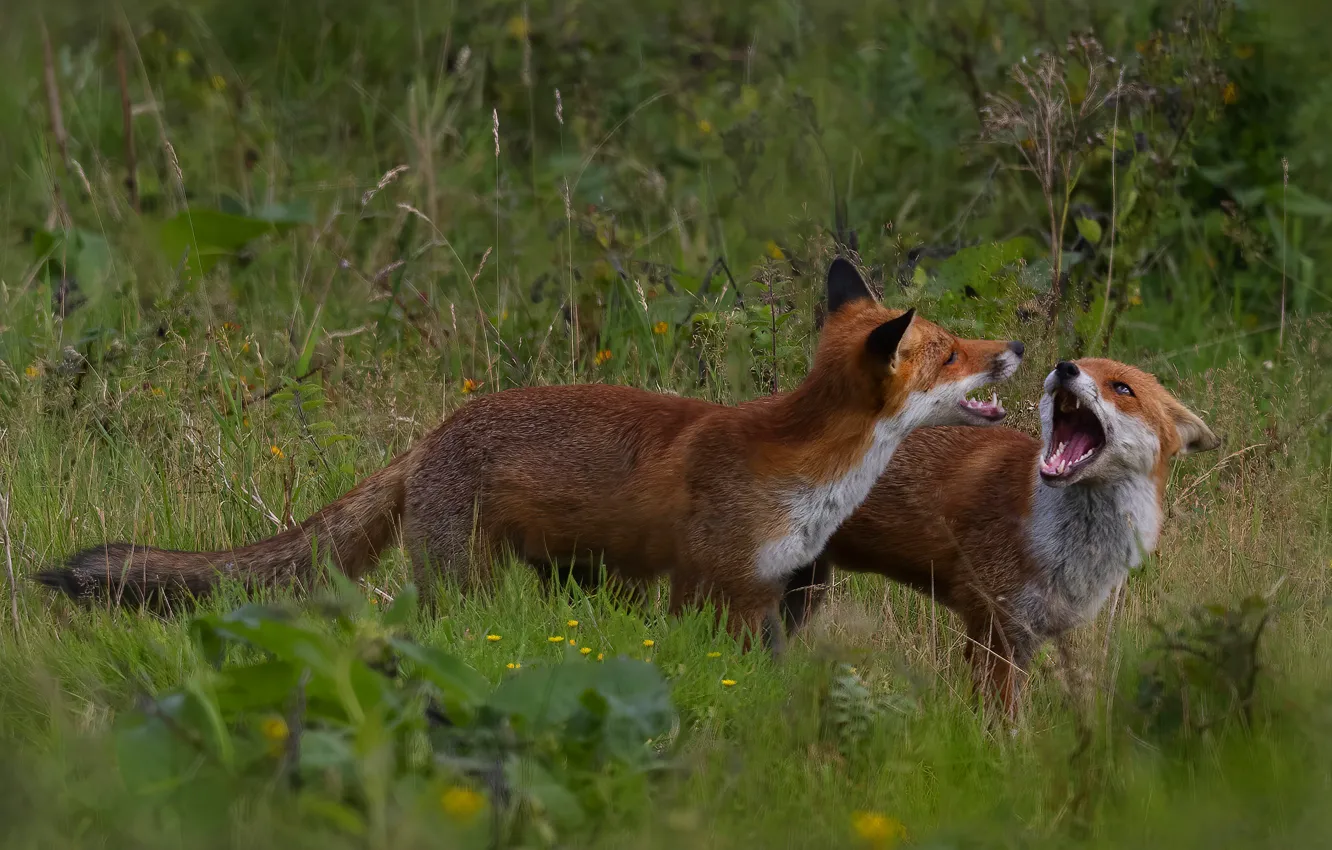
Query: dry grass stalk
x=1053, y=127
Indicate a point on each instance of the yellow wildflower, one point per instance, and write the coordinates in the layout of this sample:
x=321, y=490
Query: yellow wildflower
x=587, y=650
x=276, y=452
x=603, y=356
x=660, y=328
x=775, y=251
x=601, y=656
x=728, y=683
x=274, y=728
x=33, y=373
x=512, y=665
x=183, y=57
x=1230, y=94
x=461, y=804
x=517, y=27
x=573, y=624
x=649, y=642
x=470, y=386
x=556, y=638
x=572, y=642
x=880, y=831
x=245, y=348
x=704, y=126
x=714, y=655
x=492, y=638
x=219, y=82
x=1135, y=300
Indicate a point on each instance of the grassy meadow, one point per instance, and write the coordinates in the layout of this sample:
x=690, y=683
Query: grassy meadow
x=251, y=251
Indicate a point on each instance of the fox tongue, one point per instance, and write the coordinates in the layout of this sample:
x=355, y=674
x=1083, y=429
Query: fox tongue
x=1077, y=445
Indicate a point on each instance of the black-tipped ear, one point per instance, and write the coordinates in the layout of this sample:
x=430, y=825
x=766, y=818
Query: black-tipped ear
x=845, y=285
x=883, y=340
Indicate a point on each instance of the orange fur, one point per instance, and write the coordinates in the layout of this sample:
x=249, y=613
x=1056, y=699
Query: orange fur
x=651, y=483
x=957, y=510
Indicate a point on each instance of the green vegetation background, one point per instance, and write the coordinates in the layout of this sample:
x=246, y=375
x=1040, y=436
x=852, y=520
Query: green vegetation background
x=347, y=218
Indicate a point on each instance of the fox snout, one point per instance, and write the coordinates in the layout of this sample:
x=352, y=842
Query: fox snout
x=1064, y=376
x=1006, y=362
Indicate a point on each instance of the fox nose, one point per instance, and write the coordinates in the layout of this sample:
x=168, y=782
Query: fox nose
x=1067, y=371
x=1017, y=348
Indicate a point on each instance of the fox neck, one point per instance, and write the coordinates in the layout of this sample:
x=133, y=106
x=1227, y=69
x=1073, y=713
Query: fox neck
x=817, y=501
x=1085, y=538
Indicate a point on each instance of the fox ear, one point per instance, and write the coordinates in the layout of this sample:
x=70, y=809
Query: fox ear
x=845, y=285
x=883, y=341
x=1194, y=435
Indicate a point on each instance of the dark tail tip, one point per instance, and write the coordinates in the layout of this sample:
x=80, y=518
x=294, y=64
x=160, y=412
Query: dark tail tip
x=62, y=579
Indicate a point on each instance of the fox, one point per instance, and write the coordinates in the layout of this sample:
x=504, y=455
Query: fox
x=1024, y=539
x=725, y=501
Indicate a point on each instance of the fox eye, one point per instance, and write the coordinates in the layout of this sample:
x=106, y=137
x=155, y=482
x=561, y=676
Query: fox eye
x=952, y=358
x=1121, y=388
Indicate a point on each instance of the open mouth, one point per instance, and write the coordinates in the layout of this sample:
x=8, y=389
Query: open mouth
x=1076, y=437
x=986, y=410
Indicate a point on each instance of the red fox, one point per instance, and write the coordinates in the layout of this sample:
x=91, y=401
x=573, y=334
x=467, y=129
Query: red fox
x=727, y=500
x=1023, y=538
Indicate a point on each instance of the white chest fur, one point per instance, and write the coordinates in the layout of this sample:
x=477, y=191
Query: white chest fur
x=1086, y=538
x=816, y=511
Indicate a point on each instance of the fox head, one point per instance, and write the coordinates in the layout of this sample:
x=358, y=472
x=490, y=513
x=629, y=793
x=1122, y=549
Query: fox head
x=908, y=367
x=1102, y=420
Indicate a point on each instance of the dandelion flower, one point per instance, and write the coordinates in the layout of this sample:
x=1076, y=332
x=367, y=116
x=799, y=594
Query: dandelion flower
x=556, y=638
x=714, y=654
x=660, y=328
x=33, y=373
x=603, y=356
x=276, y=452
x=587, y=650
x=493, y=638
x=274, y=728
x=728, y=683
x=880, y=831
x=573, y=624
x=572, y=642
x=469, y=386
x=513, y=665
x=601, y=656
x=649, y=643
x=461, y=804
x=517, y=27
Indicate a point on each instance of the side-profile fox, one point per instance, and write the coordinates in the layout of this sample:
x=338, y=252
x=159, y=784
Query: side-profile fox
x=728, y=500
x=1023, y=538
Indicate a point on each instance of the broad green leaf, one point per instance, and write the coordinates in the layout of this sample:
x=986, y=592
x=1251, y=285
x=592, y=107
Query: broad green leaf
x=267, y=685
x=461, y=688
x=542, y=697
x=1090, y=229
x=403, y=607
x=205, y=237
x=541, y=790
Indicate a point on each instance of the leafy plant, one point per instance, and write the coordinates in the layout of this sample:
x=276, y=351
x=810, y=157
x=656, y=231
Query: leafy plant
x=1203, y=674
x=353, y=718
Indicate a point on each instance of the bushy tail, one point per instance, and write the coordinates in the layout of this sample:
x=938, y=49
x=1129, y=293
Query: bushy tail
x=351, y=532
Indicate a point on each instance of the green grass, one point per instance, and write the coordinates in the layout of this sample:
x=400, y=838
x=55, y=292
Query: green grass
x=195, y=409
